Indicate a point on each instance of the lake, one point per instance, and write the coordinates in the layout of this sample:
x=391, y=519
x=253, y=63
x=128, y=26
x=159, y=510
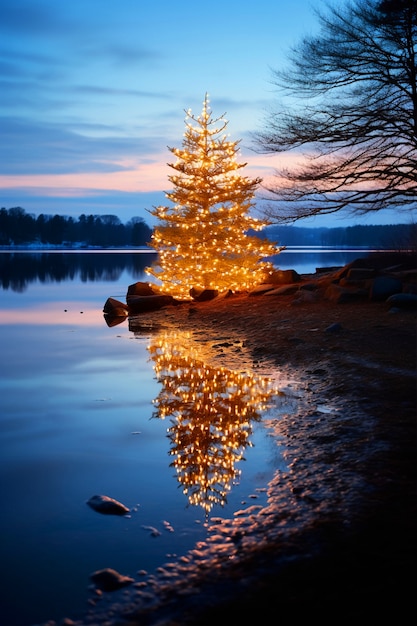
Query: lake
x=87, y=409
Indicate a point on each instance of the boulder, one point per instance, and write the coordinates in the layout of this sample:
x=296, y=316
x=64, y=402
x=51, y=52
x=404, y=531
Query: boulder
x=199, y=294
x=341, y=295
x=261, y=289
x=310, y=286
x=284, y=277
x=360, y=273
x=328, y=269
x=304, y=296
x=353, y=282
x=115, y=308
x=141, y=289
x=403, y=301
x=140, y=304
x=227, y=293
x=285, y=290
x=383, y=287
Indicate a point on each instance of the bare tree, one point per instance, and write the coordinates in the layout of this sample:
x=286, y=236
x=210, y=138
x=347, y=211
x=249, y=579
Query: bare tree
x=348, y=114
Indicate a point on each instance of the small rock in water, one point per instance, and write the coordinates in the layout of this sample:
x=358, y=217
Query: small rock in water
x=110, y=580
x=154, y=531
x=168, y=526
x=107, y=506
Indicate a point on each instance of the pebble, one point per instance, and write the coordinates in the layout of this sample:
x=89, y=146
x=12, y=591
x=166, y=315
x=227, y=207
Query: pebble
x=109, y=579
x=107, y=505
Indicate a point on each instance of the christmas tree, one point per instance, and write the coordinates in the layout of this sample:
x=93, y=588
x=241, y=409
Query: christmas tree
x=203, y=241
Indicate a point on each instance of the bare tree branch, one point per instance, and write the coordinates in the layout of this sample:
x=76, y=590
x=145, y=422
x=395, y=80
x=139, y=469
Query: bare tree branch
x=349, y=109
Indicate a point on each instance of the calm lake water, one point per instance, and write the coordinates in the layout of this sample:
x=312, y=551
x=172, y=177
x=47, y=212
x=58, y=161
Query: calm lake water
x=87, y=409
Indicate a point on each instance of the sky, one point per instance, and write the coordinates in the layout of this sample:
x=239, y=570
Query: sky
x=94, y=91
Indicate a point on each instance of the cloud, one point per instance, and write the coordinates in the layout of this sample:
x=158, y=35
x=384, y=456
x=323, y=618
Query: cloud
x=97, y=90
x=46, y=148
x=52, y=45
x=123, y=55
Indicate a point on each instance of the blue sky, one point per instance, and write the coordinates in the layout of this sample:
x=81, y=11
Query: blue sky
x=93, y=92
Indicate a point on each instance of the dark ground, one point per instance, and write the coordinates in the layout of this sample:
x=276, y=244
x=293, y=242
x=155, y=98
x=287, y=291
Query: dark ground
x=367, y=573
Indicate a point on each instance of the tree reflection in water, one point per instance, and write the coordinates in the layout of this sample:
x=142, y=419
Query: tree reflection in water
x=211, y=410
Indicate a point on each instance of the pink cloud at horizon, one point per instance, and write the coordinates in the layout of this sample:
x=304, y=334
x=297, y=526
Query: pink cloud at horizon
x=149, y=177
x=134, y=178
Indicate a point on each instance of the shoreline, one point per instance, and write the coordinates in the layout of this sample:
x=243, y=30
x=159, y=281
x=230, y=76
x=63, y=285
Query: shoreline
x=341, y=528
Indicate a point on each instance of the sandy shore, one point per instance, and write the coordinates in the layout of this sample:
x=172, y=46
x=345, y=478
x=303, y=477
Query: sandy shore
x=353, y=469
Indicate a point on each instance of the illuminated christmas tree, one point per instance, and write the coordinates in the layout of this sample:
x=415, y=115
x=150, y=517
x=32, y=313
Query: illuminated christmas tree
x=204, y=240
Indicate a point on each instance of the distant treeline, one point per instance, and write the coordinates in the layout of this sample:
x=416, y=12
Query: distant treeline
x=17, y=227
x=20, y=228
x=381, y=237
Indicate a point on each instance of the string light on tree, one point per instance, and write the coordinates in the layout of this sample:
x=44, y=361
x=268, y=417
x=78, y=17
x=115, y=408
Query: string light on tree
x=203, y=240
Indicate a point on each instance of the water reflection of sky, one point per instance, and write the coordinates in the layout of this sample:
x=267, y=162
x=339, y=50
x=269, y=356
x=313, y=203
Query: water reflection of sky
x=76, y=405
